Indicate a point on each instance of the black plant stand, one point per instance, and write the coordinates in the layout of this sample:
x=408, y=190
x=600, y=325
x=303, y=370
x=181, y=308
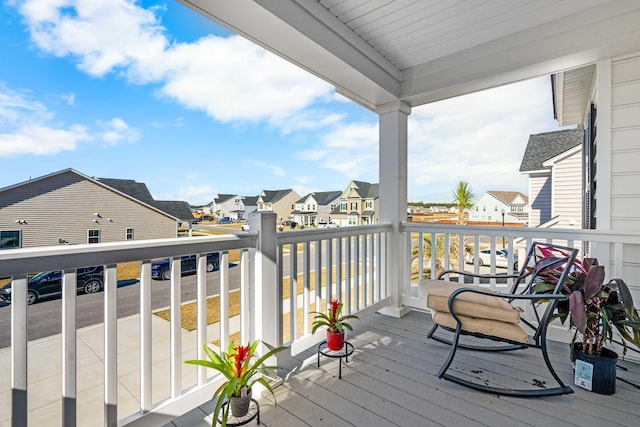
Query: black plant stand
x=345, y=352
x=254, y=412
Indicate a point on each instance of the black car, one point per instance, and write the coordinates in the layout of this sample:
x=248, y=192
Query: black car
x=49, y=283
x=161, y=270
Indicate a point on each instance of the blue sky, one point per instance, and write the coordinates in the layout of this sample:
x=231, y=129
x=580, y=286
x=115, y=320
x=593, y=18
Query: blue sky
x=152, y=91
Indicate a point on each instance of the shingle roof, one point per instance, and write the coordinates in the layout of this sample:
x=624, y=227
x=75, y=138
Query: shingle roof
x=223, y=198
x=368, y=191
x=251, y=200
x=272, y=196
x=138, y=190
x=544, y=146
x=508, y=196
x=322, y=197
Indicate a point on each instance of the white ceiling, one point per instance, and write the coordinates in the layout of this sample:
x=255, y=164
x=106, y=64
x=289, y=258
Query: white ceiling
x=420, y=51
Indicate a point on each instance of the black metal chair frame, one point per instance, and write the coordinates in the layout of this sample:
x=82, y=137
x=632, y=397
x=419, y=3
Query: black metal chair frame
x=538, y=340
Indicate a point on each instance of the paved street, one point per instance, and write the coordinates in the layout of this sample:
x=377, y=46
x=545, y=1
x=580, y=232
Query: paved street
x=44, y=319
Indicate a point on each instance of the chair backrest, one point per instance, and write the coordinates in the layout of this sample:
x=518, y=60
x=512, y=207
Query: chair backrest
x=549, y=264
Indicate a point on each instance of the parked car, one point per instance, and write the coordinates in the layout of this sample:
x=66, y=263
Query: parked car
x=325, y=224
x=245, y=226
x=49, y=283
x=225, y=220
x=502, y=258
x=161, y=270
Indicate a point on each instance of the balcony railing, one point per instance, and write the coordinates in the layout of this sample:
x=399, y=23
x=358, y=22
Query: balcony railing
x=282, y=278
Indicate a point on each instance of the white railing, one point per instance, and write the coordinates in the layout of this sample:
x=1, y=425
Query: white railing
x=346, y=263
x=19, y=263
x=619, y=252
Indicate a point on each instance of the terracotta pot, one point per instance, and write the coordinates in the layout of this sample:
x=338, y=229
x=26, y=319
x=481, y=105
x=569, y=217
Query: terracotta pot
x=335, y=340
x=240, y=405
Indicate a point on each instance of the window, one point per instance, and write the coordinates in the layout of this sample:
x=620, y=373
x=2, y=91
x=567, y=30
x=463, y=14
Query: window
x=129, y=233
x=484, y=209
x=10, y=239
x=343, y=206
x=353, y=220
x=369, y=204
x=93, y=236
x=354, y=206
x=495, y=209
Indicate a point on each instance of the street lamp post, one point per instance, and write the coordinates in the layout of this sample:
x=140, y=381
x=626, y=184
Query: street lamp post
x=502, y=212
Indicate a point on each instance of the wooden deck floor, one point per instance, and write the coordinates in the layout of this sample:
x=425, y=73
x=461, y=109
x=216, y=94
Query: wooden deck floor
x=391, y=380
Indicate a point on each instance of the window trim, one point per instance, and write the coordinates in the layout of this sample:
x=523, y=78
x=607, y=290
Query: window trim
x=89, y=236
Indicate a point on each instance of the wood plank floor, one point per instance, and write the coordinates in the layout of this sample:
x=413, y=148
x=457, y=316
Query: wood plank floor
x=390, y=380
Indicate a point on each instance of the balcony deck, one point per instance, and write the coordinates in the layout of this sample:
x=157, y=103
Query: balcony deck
x=391, y=380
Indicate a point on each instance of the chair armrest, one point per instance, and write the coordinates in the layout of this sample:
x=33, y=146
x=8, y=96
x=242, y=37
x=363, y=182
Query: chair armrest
x=482, y=276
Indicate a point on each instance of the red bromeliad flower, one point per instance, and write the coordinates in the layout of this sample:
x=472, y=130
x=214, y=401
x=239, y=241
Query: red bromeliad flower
x=240, y=355
x=335, y=309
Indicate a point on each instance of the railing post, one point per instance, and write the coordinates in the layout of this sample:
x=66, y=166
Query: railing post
x=69, y=347
x=19, y=351
x=266, y=294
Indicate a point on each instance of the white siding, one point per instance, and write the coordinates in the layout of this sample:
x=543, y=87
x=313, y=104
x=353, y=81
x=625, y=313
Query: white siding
x=567, y=191
x=625, y=151
x=539, y=199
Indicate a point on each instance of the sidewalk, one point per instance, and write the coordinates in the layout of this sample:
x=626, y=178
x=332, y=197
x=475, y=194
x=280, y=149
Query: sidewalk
x=44, y=372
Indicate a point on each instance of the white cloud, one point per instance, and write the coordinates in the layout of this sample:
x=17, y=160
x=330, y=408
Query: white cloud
x=350, y=149
x=27, y=126
x=275, y=169
x=116, y=131
x=231, y=79
x=196, y=194
x=479, y=138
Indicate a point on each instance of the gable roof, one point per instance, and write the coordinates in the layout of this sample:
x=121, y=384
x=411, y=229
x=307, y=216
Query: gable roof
x=134, y=188
x=272, y=196
x=507, y=197
x=322, y=197
x=367, y=190
x=223, y=198
x=544, y=146
x=250, y=200
x=138, y=190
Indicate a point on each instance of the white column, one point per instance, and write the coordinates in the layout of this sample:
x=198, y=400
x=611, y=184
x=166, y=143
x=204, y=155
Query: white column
x=266, y=296
x=393, y=197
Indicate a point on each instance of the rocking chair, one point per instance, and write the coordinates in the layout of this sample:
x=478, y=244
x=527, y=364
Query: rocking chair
x=475, y=311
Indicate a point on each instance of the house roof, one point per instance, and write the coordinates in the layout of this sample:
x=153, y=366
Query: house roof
x=322, y=197
x=101, y=182
x=367, y=190
x=377, y=52
x=544, y=146
x=223, y=198
x=508, y=197
x=272, y=196
x=138, y=190
x=250, y=200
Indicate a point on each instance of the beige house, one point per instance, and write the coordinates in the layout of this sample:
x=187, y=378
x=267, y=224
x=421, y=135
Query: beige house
x=67, y=207
x=282, y=202
x=359, y=205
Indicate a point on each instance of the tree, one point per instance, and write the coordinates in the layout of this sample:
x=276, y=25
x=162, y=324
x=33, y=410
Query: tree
x=428, y=252
x=463, y=199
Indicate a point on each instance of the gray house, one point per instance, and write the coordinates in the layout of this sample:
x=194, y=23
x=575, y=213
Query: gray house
x=553, y=161
x=315, y=206
x=68, y=207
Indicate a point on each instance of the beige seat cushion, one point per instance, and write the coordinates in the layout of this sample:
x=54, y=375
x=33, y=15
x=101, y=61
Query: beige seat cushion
x=436, y=294
x=505, y=330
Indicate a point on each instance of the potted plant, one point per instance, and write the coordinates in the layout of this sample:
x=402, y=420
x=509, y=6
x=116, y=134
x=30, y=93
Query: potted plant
x=335, y=323
x=595, y=309
x=241, y=371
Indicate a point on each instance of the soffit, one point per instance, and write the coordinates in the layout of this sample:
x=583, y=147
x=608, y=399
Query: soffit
x=420, y=51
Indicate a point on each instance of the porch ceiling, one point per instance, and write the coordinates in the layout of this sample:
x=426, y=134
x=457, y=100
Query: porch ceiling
x=420, y=51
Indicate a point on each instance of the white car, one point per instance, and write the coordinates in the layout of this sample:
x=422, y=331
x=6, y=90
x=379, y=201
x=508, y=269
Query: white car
x=502, y=258
x=325, y=224
x=245, y=226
